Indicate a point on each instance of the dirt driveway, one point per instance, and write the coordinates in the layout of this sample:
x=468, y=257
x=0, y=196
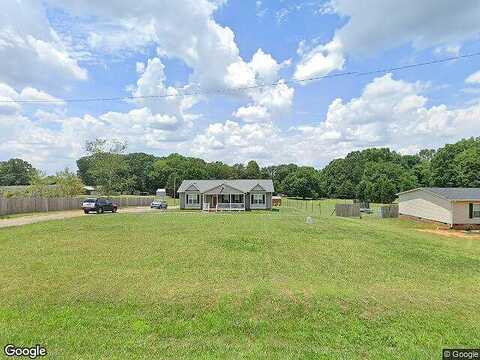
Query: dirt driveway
x=60, y=215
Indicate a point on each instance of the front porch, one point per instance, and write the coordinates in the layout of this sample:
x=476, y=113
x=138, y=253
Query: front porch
x=223, y=202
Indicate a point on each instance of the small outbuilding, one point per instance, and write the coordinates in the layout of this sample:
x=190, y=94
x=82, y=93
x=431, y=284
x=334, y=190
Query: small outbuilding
x=457, y=207
x=276, y=201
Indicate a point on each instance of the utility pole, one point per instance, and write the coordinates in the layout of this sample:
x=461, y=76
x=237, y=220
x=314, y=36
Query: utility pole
x=174, y=189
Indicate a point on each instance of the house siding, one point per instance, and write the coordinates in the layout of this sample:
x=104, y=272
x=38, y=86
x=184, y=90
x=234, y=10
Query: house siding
x=247, y=201
x=424, y=205
x=183, y=201
x=268, y=201
x=461, y=213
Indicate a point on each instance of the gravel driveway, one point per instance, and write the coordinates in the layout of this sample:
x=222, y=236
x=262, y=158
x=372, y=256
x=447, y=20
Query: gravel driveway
x=60, y=215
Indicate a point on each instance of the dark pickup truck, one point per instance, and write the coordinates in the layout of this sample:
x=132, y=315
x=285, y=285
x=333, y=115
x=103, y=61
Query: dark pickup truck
x=99, y=205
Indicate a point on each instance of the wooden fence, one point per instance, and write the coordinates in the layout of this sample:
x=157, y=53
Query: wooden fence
x=389, y=211
x=18, y=205
x=347, y=210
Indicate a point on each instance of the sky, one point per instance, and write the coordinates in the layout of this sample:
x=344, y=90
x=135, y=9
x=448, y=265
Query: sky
x=208, y=61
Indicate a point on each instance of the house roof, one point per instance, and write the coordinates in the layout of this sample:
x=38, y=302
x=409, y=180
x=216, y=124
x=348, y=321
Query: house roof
x=244, y=185
x=452, y=194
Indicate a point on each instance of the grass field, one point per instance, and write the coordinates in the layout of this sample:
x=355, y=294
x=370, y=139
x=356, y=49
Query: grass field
x=245, y=285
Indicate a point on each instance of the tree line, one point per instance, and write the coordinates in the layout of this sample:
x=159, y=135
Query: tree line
x=374, y=174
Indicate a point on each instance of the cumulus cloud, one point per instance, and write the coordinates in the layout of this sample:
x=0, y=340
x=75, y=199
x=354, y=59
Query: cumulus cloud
x=277, y=99
x=239, y=74
x=185, y=30
x=235, y=142
x=182, y=29
x=389, y=112
x=374, y=25
x=252, y=113
x=320, y=60
x=7, y=95
x=31, y=52
x=267, y=102
x=52, y=147
x=266, y=67
x=10, y=99
x=163, y=101
x=32, y=94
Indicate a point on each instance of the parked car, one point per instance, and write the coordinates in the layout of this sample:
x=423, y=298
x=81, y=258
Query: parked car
x=99, y=205
x=159, y=204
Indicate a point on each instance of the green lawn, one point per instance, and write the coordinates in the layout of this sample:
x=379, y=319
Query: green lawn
x=246, y=285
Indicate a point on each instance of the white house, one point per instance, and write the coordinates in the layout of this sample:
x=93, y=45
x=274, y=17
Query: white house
x=457, y=207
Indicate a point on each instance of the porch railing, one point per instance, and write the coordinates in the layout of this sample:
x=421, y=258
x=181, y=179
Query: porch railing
x=231, y=206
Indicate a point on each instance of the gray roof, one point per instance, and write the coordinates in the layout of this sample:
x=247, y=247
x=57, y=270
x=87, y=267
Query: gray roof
x=244, y=185
x=468, y=194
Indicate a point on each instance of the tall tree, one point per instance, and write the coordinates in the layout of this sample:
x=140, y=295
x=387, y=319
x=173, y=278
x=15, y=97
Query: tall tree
x=252, y=171
x=278, y=174
x=304, y=183
x=446, y=169
x=109, y=167
x=68, y=183
x=140, y=166
x=381, y=181
x=468, y=167
x=16, y=172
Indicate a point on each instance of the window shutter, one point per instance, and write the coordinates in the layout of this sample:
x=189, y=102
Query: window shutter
x=471, y=211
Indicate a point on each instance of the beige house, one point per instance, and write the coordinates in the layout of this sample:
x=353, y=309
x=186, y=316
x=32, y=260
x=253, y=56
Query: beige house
x=457, y=207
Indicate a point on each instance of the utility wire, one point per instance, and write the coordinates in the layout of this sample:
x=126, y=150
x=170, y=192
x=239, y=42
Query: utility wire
x=253, y=87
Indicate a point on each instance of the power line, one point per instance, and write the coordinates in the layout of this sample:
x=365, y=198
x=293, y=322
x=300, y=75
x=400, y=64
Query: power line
x=253, y=87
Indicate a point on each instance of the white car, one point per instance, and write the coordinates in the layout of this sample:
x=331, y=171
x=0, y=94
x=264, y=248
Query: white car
x=159, y=204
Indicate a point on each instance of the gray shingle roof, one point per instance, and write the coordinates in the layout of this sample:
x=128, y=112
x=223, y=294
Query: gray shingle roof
x=244, y=185
x=469, y=194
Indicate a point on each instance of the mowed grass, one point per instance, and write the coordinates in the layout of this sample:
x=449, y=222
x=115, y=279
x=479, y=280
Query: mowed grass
x=246, y=285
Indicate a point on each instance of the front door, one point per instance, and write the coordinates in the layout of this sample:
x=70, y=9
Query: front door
x=214, y=201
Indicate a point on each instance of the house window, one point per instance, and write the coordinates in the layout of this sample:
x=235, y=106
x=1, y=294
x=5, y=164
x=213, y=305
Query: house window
x=237, y=199
x=224, y=199
x=193, y=199
x=475, y=210
x=258, y=199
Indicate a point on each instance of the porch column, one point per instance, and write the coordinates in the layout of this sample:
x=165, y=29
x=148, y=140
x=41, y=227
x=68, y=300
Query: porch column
x=230, y=200
x=244, y=201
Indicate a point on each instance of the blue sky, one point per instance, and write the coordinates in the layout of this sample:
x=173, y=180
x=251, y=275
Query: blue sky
x=66, y=49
